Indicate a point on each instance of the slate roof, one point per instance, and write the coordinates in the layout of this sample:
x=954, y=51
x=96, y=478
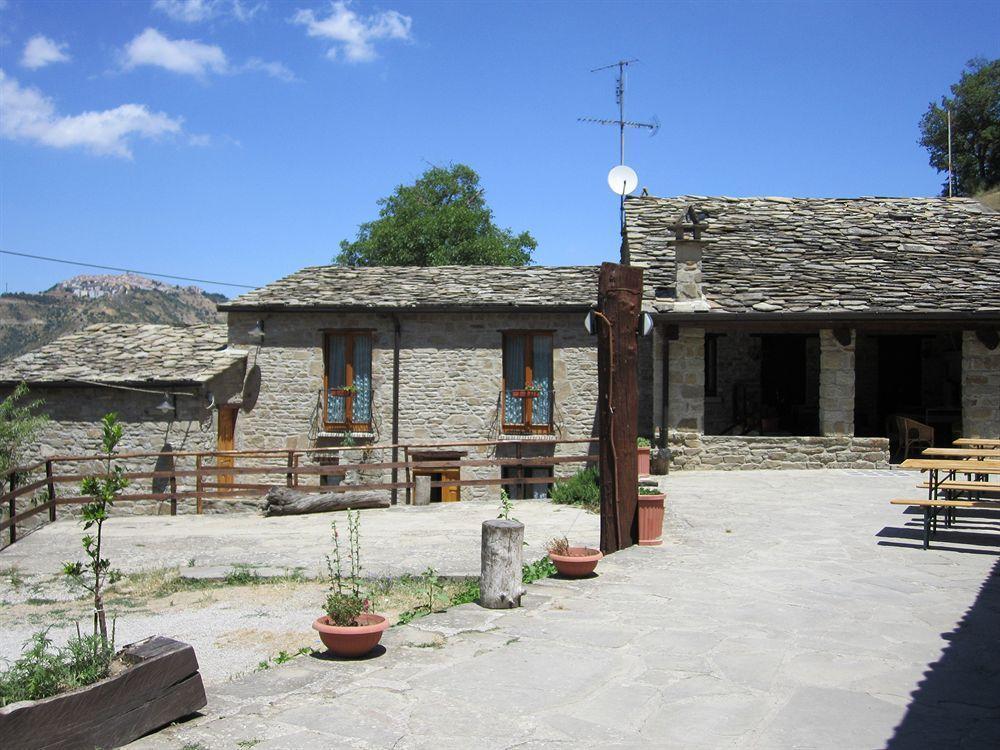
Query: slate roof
x=809, y=255
x=127, y=353
x=434, y=287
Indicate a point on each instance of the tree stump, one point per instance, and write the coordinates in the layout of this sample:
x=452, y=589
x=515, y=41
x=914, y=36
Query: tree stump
x=500, y=582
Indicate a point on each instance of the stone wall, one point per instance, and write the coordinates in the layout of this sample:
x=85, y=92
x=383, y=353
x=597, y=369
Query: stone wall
x=836, y=385
x=450, y=380
x=725, y=452
x=980, y=388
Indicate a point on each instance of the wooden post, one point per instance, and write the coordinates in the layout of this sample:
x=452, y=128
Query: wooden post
x=619, y=301
x=519, y=453
x=409, y=479
x=52, y=490
x=295, y=476
x=291, y=463
x=12, y=505
x=500, y=580
x=198, y=482
x=173, y=486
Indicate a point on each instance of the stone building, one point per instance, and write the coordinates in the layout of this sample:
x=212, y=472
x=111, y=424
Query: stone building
x=168, y=384
x=421, y=355
x=789, y=332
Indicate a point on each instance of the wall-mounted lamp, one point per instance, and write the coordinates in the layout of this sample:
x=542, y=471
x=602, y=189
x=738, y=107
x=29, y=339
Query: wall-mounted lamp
x=168, y=405
x=257, y=332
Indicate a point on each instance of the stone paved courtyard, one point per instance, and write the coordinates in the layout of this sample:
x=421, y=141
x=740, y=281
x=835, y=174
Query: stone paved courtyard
x=786, y=610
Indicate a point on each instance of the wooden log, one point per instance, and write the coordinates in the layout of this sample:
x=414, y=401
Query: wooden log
x=282, y=501
x=160, y=685
x=500, y=581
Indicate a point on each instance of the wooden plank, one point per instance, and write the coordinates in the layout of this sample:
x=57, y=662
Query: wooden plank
x=944, y=464
x=494, y=481
x=948, y=503
x=949, y=484
x=962, y=452
x=982, y=442
x=161, y=685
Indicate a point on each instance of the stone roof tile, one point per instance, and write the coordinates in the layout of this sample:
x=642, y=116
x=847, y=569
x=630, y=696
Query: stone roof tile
x=417, y=287
x=127, y=353
x=807, y=255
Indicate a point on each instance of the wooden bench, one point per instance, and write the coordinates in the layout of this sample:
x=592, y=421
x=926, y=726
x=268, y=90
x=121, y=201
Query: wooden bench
x=964, y=486
x=931, y=506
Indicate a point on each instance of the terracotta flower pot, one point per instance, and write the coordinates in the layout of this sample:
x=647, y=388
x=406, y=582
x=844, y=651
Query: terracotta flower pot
x=351, y=640
x=651, y=520
x=643, y=461
x=580, y=562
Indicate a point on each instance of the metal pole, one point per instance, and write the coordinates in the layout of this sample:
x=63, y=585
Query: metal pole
x=950, y=180
x=621, y=112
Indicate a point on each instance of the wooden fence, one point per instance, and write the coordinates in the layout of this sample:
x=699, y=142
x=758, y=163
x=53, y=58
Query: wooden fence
x=219, y=475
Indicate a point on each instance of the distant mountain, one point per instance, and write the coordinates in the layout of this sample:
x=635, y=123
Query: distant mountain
x=30, y=320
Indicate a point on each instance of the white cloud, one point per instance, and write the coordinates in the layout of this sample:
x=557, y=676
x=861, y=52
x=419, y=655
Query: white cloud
x=355, y=34
x=41, y=51
x=185, y=56
x=189, y=11
x=29, y=115
x=274, y=69
x=196, y=11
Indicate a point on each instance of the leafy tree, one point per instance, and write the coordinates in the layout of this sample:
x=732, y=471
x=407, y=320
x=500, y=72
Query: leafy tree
x=975, y=127
x=96, y=572
x=441, y=219
x=19, y=428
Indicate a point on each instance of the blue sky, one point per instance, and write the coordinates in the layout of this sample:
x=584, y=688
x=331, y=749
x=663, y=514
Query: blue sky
x=242, y=140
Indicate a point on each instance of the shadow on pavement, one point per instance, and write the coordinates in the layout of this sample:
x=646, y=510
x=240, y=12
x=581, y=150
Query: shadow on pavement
x=957, y=704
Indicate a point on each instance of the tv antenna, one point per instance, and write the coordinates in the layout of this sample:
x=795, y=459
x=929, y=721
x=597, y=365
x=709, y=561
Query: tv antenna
x=622, y=179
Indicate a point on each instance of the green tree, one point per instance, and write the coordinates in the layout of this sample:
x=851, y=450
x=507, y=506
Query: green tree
x=19, y=428
x=975, y=127
x=103, y=490
x=442, y=219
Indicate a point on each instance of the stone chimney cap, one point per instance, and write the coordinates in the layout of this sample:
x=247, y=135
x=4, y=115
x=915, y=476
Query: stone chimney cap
x=692, y=220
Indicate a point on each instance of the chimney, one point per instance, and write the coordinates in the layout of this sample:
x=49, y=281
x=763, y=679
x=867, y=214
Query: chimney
x=688, y=252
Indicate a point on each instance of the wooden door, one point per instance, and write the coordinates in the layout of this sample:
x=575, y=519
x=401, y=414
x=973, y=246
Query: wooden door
x=451, y=493
x=226, y=441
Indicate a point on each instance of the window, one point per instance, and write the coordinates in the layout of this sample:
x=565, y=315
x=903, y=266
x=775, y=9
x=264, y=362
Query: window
x=711, y=364
x=347, y=380
x=528, y=395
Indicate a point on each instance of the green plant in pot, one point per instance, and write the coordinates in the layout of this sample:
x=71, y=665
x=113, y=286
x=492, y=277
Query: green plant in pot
x=349, y=628
x=642, y=445
x=572, y=562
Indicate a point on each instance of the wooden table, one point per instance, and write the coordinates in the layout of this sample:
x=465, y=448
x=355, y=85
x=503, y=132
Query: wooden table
x=977, y=442
x=981, y=469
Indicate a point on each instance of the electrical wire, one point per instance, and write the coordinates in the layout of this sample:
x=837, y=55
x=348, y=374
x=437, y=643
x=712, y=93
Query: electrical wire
x=126, y=270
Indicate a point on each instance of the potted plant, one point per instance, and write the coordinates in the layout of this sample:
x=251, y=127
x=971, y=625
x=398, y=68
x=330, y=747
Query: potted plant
x=349, y=628
x=651, y=516
x=643, y=448
x=572, y=562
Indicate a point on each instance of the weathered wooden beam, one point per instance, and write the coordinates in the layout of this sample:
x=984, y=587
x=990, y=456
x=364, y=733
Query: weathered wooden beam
x=619, y=299
x=282, y=501
x=160, y=685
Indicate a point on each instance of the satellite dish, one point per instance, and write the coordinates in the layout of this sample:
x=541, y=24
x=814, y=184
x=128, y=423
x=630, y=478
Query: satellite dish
x=622, y=180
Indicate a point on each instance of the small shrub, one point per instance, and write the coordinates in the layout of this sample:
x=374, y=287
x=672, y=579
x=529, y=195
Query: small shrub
x=537, y=570
x=642, y=442
x=644, y=490
x=345, y=604
x=581, y=489
x=558, y=546
x=43, y=671
x=506, y=506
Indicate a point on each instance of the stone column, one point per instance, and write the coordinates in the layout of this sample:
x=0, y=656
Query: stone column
x=686, y=389
x=836, y=384
x=980, y=388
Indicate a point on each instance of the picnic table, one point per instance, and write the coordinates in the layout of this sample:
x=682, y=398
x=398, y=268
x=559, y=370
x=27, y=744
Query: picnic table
x=947, y=492
x=977, y=442
x=979, y=453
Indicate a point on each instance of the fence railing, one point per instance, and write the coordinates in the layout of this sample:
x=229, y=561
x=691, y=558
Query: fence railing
x=237, y=475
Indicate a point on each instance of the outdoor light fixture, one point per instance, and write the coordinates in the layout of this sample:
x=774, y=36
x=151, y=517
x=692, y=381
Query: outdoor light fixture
x=589, y=322
x=167, y=405
x=645, y=324
x=257, y=332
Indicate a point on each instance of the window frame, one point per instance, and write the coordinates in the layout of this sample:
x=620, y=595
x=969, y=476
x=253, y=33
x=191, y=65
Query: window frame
x=527, y=427
x=711, y=365
x=349, y=425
